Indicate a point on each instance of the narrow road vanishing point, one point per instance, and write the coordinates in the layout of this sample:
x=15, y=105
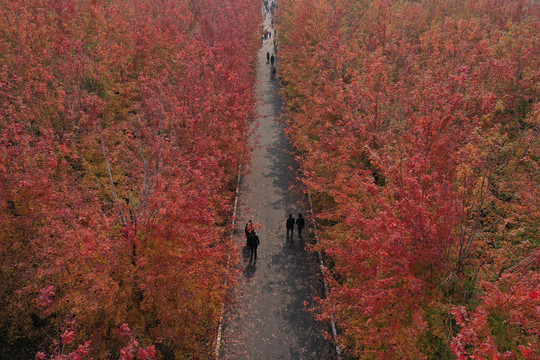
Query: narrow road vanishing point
x=269, y=319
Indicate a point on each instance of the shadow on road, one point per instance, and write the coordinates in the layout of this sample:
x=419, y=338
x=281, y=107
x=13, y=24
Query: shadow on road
x=250, y=270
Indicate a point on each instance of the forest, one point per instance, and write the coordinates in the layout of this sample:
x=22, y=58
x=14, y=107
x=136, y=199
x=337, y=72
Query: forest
x=416, y=124
x=122, y=126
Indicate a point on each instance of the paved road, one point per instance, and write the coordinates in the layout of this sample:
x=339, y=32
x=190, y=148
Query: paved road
x=268, y=319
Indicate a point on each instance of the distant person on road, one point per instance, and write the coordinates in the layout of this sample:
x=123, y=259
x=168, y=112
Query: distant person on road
x=253, y=242
x=290, y=227
x=273, y=73
x=300, y=224
x=272, y=59
x=267, y=57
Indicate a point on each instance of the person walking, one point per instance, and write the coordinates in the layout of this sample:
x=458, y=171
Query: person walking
x=253, y=242
x=272, y=58
x=249, y=230
x=300, y=224
x=290, y=227
x=267, y=57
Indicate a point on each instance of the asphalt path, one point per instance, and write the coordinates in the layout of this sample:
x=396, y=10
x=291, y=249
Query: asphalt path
x=269, y=318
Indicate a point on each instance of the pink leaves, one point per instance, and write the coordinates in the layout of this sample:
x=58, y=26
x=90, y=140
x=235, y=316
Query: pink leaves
x=509, y=305
x=124, y=330
x=529, y=352
x=60, y=352
x=67, y=337
x=134, y=350
x=45, y=295
x=460, y=315
x=148, y=353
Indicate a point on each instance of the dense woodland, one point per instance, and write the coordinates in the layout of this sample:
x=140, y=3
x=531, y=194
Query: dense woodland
x=122, y=126
x=417, y=127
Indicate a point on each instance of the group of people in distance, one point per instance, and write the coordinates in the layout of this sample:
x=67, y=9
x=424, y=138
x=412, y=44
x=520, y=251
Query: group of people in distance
x=252, y=240
x=267, y=34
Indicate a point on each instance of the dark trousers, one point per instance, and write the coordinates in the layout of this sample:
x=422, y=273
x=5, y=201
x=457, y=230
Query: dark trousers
x=290, y=230
x=300, y=232
x=253, y=252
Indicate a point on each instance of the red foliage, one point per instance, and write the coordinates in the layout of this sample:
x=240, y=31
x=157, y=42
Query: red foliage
x=417, y=126
x=133, y=350
x=122, y=125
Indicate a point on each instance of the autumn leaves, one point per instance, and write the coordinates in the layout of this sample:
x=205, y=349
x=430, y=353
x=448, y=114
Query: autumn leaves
x=417, y=124
x=122, y=125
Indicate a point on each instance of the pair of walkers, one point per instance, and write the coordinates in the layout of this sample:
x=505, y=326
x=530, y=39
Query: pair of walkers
x=300, y=224
x=270, y=58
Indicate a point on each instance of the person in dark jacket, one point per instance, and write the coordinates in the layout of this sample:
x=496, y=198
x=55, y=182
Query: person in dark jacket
x=290, y=227
x=249, y=229
x=253, y=242
x=272, y=59
x=300, y=224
